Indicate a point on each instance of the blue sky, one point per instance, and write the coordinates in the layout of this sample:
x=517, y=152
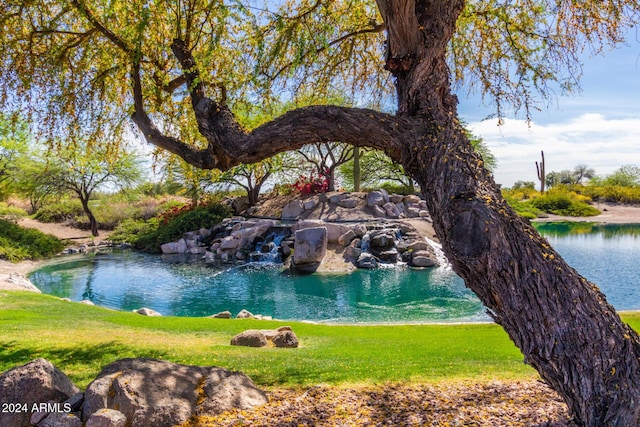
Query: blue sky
x=599, y=127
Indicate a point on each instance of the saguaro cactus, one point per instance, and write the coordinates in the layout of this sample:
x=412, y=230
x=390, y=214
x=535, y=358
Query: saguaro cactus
x=541, y=174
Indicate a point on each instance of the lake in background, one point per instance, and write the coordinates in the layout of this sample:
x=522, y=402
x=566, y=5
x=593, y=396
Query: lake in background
x=188, y=286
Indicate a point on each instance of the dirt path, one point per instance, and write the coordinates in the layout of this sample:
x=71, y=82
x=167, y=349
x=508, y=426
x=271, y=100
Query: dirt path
x=63, y=232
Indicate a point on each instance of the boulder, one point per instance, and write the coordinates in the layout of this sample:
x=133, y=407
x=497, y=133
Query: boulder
x=334, y=231
x=107, y=418
x=179, y=247
x=411, y=198
x=396, y=198
x=391, y=210
x=390, y=256
x=376, y=198
x=378, y=212
x=309, y=204
x=381, y=241
x=346, y=238
x=33, y=383
x=63, y=419
x=156, y=393
x=293, y=210
x=367, y=260
x=250, y=338
x=244, y=314
x=222, y=315
x=418, y=245
x=422, y=259
x=17, y=282
x=348, y=203
x=144, y=311
x=285, y=339
x=310, y=248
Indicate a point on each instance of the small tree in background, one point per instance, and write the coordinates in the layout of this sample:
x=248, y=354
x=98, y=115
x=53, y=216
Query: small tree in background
x=83, y=169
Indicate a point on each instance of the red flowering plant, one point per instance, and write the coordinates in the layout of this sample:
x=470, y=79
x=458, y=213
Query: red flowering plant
x=311, y=184
x=174, y=212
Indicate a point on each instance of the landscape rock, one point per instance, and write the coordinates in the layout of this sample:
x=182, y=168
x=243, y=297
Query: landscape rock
x=346, y=238
x=222, y=315
x=244, y=314
x=293, y=209
x=367, y=260
x=33, y=383
x=376, y=198
x=285, y=339
x=310, y=249
x=348, y=203
x=422, y=259
x=61, y=419
x=144, y=311
x=156, y=393
x=17, y=282
x=107, y=418
x=250, y=338
x=411, y=199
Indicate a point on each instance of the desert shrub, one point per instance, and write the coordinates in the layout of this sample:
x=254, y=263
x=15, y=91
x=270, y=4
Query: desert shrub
x=524, y=208
x=17, y=243
x=8, y=211
x=397, y=188
x=613, y=193
x=62, y=211
x=172, y=225
x=564, y=203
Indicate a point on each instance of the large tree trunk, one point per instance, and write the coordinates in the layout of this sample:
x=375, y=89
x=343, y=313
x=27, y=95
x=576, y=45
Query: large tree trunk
x=562, y=323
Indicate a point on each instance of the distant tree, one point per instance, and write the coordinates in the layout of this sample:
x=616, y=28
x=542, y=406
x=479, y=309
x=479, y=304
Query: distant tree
x=184, y=179
x=326, y=158
x=252, y=177
x=625, y=176
x=582, y=172
x=81, y=169
x=375, y=169
x=14, y=152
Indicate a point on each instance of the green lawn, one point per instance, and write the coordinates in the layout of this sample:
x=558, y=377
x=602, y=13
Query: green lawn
x=80, y=339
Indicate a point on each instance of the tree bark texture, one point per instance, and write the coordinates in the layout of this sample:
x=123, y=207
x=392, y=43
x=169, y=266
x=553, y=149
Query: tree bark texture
x=561, y=322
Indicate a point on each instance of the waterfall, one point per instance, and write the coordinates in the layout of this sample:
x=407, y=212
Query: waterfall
x=268, y=250
x=440, y=256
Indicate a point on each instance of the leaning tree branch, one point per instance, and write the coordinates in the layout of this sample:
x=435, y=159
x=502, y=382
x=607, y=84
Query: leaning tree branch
x=229, y=144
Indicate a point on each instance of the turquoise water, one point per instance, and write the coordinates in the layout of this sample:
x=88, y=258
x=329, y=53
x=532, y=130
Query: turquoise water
x=181, y=286
x=173, y=285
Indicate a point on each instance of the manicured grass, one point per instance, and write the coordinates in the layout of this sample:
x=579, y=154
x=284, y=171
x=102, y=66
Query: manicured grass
x=81, y=339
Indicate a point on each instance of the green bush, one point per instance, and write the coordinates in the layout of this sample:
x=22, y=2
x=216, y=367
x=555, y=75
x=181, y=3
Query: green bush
x=613, y=193
x=561, y=203
x=17, y=243
x=9, y=211
x=62, y=211
x=150, y=235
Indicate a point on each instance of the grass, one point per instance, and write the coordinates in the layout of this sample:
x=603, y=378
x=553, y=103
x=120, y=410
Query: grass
x=81, y=339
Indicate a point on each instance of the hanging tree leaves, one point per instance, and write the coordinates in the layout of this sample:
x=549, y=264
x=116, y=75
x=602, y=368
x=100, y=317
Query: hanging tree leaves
x=80, y=67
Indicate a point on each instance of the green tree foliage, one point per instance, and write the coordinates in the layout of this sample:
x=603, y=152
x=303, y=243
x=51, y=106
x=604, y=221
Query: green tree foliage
x=83, y=169
x=81, y=67
x=14, y=153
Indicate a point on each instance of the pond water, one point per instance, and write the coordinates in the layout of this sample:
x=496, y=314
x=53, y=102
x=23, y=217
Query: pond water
x=188, y=286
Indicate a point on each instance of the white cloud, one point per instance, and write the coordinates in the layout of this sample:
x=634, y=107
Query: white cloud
x=601, y=143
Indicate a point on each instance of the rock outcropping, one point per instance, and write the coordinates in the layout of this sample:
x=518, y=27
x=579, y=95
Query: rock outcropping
x=138, y=392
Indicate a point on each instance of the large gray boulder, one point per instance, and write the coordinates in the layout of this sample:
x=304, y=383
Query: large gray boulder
x=250, y=338
x=156, y=393
x=310, y=247
x=27, y=386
